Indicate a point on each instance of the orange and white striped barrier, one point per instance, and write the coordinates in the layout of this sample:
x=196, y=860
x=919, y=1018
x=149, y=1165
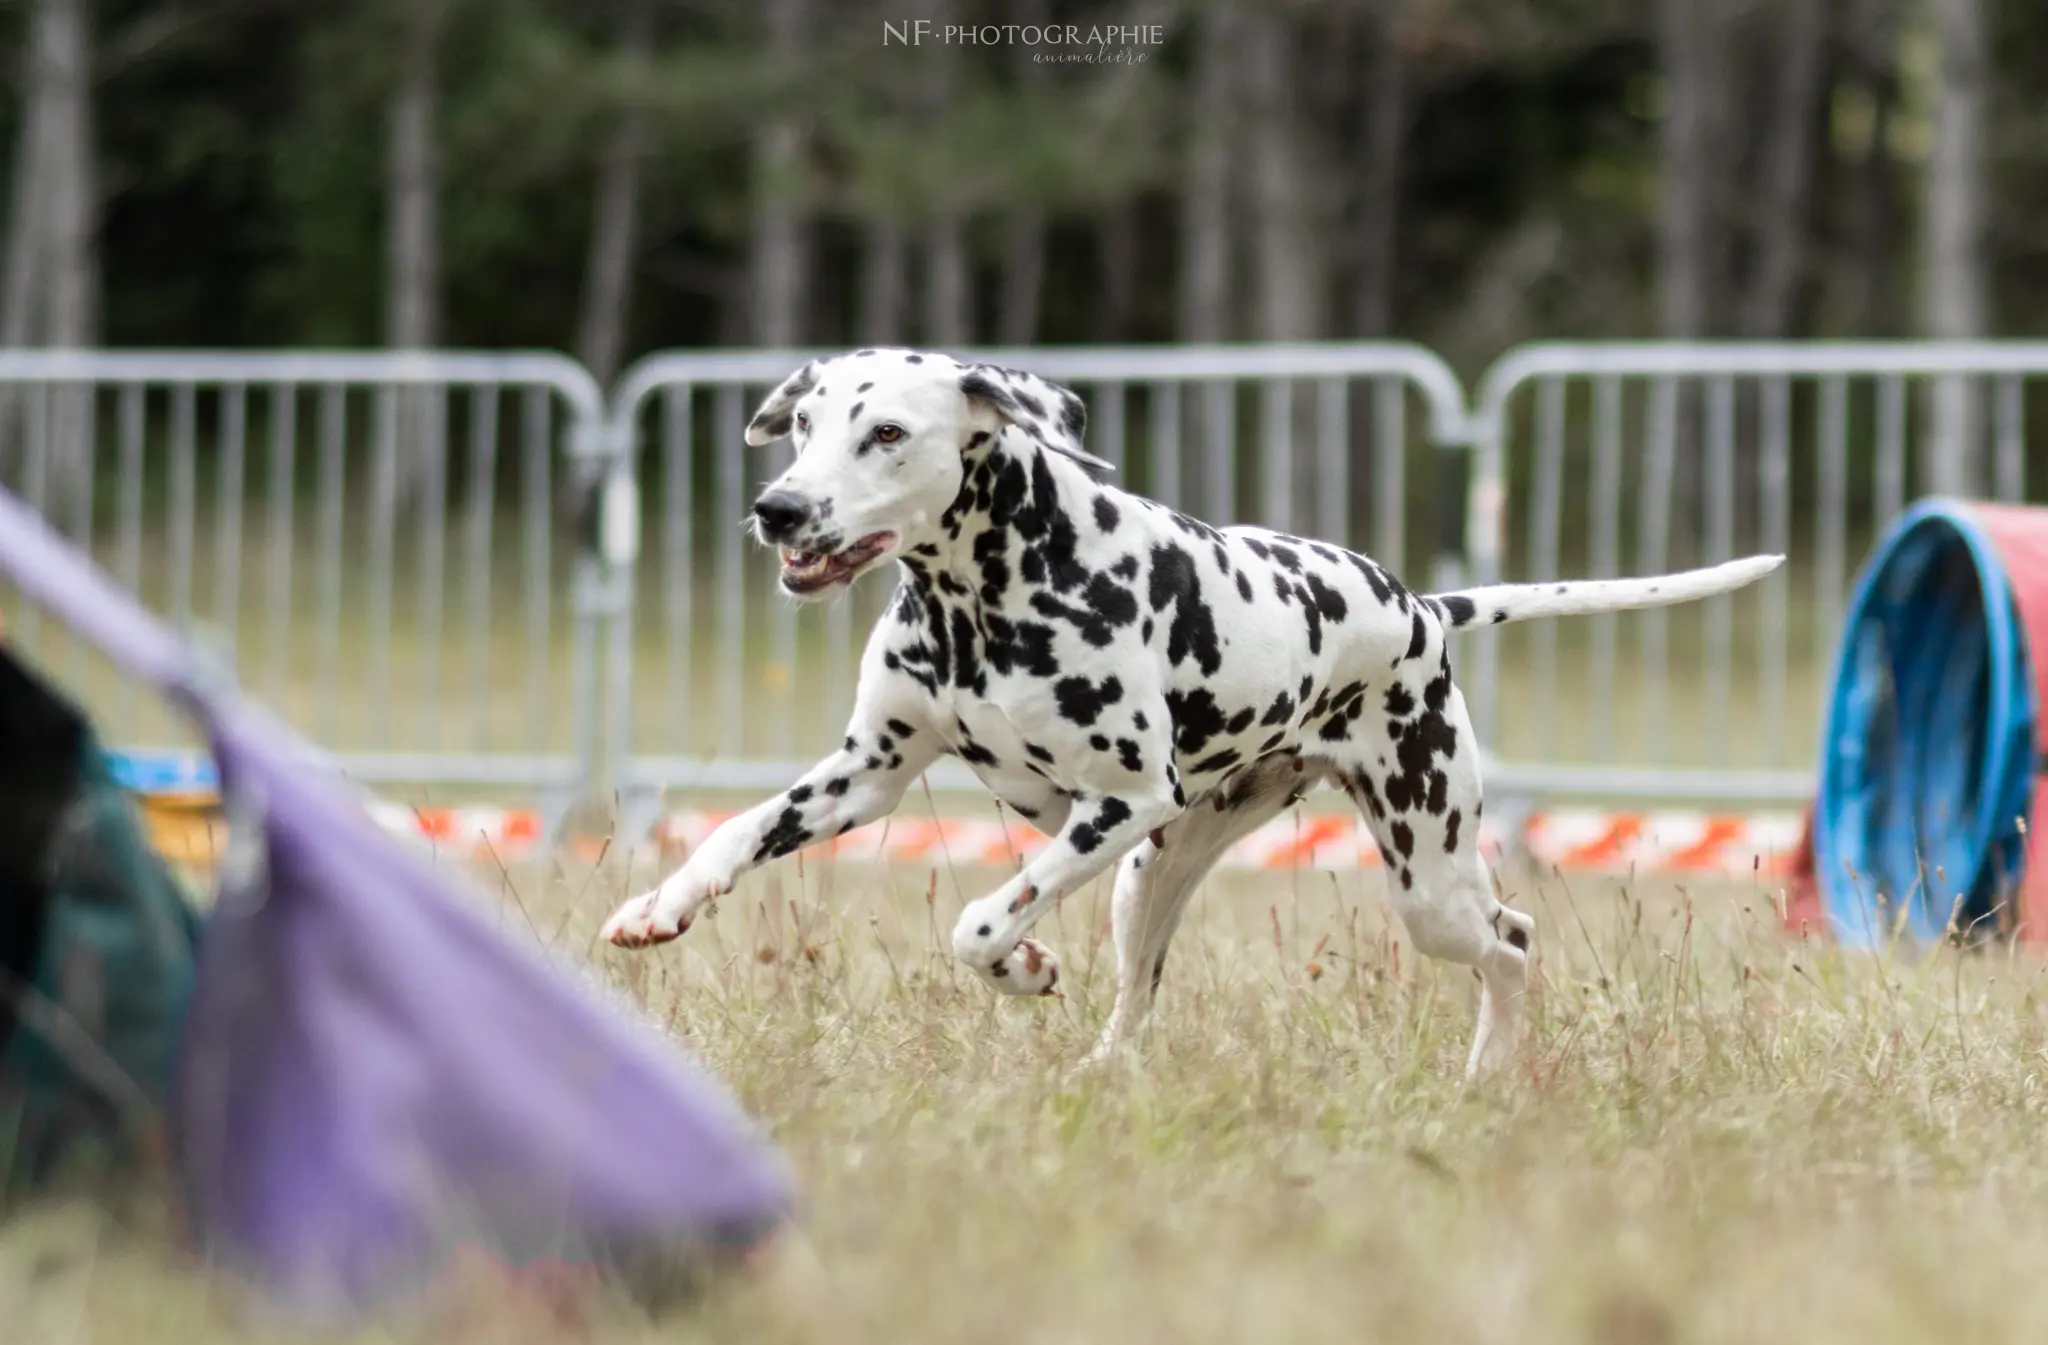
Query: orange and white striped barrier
x=1580, y=840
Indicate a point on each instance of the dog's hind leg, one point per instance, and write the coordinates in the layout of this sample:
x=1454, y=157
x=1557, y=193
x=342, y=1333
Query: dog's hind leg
x=1156, y=881
x=1420, y=791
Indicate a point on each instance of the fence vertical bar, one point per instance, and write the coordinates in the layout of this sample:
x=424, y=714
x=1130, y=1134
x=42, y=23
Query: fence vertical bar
x=227, y=522
x=1333, y=467
x=1607, y=413
x=433, y=482
x=1720, y=614
x=1776, y=484
x=728, y=433
x=280, y=487
x=1545, y=563
x=482, y=500
x=184, y=501
x=1658, y=479
x=2012, y=462
x=1164, y=406
x=333, y=481
x=1891, y=446
x=1276, y=454
x=1834, y=507
x=679, y=524
x=384, y=488
x=1390, y=472
x=537, y=438
x=132, y=464
x=1219, y=459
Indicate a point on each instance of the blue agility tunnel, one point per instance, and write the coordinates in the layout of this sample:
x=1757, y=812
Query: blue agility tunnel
x=1927, y=758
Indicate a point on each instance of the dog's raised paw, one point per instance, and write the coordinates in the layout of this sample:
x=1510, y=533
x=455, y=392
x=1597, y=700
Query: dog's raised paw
x=638, y=924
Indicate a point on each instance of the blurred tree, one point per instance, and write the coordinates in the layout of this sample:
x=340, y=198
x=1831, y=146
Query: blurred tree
x=608, y=272
x=1952, y=261
x=1210, y=117
x=412, y=303
x=1784, y=219
x=779, y=248
x=1381, y=142
x=675, y=172
x=1024, y=221
x=948, y=293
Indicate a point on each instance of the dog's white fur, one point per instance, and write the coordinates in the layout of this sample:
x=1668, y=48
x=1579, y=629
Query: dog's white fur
x=1142, y=686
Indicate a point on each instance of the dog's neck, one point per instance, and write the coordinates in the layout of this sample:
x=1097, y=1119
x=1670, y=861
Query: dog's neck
x=1015, y=529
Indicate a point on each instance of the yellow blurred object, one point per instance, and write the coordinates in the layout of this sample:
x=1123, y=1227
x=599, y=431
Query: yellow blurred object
x=776, y=675
x=186, y=828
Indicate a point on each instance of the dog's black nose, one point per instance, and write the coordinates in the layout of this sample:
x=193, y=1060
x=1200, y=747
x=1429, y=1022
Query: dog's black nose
x=781, y=513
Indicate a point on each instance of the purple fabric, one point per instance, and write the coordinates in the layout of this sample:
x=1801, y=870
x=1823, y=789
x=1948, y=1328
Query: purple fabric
x=371, y=1074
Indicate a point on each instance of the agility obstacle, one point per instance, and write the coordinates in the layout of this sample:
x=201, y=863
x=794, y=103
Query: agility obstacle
x=1927, y=802
x=358, y=1080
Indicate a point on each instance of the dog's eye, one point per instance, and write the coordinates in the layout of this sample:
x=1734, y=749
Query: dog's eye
x=803, y=422
x=888, y=434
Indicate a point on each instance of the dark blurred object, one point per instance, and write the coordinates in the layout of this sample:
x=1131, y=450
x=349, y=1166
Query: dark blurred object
x=96, y=953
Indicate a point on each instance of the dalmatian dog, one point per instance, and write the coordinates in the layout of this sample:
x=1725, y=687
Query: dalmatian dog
x=1143, y=687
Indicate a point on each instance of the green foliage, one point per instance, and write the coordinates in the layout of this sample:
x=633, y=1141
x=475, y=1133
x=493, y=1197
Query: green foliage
x=243, y=157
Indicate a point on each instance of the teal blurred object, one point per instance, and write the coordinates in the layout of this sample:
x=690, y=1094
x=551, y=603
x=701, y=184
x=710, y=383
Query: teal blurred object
x=97, y=952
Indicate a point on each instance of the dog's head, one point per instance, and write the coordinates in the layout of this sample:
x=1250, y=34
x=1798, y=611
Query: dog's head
x=883, y=440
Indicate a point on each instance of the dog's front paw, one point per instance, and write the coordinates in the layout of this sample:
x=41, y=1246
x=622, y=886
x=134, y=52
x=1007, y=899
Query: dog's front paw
x=654, y=917
x=1030, y=968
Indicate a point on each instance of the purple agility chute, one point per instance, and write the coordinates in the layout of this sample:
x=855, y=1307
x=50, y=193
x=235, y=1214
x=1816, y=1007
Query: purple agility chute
x=372, y=1077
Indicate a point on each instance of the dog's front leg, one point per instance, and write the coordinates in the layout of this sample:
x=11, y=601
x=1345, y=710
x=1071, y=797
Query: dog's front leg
x=990, y=934
x=862, y=781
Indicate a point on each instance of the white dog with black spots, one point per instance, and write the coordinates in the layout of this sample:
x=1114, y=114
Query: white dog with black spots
x=1141, y=686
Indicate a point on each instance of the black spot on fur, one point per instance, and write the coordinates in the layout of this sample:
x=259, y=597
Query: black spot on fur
x=1451, y=832
x=901, y=729
x=1418, y=637
x=1106, y=516
x=1082, y=701
x=837, y=785
x=1087, y=837
x=788, y=834
x=1193, y=631
x=1458, y=610
x=1196, y=718
x=799, y=793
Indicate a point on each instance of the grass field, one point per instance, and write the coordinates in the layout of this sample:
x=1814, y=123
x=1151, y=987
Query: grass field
x=1716, y=1133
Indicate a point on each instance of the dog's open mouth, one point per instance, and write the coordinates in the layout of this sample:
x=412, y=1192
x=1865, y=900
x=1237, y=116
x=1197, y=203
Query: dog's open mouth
x=810, y=571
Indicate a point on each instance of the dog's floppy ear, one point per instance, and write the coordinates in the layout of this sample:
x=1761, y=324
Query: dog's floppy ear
x=1046, y=412
x=772, y=421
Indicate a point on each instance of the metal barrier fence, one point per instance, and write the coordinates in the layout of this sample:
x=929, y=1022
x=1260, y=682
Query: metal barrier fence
x=1633, y=458
x=373, y=540
x=740, y=687
x=377, y=538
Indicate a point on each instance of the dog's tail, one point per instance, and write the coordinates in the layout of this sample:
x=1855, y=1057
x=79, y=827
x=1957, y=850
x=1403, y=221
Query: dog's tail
x=1498, y=604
